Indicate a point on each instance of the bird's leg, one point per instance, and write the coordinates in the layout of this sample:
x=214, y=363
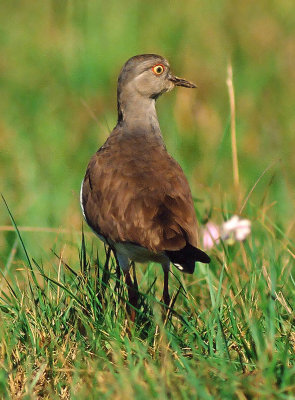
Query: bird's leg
x=132, y=294
x=166, y=296
x=123, y=262
x=118, y=273
x=106, y=271
x=134, y=276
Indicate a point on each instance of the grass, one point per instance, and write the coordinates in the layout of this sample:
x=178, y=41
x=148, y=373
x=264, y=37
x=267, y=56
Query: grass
x=65, y=332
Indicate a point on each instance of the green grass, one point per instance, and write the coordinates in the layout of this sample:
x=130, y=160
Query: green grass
x=65, y=331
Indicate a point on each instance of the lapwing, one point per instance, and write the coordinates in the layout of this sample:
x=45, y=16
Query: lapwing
x=134, y=195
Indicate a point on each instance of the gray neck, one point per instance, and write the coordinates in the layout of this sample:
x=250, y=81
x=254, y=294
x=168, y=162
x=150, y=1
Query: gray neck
x=138, y=112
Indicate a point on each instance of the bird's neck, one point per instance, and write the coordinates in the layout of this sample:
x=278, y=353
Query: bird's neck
x=138, y=113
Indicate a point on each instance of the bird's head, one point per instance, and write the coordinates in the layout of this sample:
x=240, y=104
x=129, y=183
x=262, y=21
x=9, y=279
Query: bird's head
x=150, y=76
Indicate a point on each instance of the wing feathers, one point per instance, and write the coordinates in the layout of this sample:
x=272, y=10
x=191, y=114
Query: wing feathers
x=146, y=201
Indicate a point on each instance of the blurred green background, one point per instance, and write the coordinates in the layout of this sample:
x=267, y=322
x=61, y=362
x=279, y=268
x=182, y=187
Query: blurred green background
x=59, y=63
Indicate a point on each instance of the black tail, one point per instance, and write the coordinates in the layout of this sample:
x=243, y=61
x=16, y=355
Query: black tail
x=185, y=258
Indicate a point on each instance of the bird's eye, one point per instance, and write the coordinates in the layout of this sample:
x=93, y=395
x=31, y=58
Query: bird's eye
x=158, y=69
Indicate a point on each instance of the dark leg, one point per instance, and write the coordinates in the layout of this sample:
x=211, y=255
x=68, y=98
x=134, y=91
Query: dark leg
x=118, y=273
x=132, y=294
x=123, y=263
x=166, y=296
x=106, y=271
x=134, y=276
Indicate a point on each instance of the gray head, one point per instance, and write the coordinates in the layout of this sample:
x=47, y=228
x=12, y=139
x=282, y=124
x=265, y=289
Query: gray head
x=145, y=77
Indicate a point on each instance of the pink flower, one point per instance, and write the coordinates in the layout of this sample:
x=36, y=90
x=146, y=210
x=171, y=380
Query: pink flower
x=211, y=235
x=236, y=229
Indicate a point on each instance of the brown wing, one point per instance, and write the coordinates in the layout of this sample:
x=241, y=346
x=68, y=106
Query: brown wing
x=136, y=192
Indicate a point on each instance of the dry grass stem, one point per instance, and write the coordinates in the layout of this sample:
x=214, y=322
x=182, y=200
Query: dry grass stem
x=231, y=93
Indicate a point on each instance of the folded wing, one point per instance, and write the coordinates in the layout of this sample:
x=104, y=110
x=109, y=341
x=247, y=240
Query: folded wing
x=145, y=200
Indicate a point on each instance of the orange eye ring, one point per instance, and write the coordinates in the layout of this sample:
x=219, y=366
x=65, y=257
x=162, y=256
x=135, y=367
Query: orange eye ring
x=158, y=69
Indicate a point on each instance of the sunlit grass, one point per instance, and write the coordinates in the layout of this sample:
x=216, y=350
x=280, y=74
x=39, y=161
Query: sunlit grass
x=65, y=331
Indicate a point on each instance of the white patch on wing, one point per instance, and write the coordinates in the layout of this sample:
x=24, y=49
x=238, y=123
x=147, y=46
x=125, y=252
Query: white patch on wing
x=81, y=200
x=180, y=267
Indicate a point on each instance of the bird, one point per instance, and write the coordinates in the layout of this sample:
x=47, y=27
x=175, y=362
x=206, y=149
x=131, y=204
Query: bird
x=134, y=195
